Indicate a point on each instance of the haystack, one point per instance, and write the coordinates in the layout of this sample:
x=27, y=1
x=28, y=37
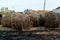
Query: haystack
x=17, y=21
x=36, y=18
x=50, y=20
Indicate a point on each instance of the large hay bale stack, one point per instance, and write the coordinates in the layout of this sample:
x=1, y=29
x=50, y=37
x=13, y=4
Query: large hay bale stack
x=42, y=18
x=36, y=18
x=58, y=18
x=51, y=20
x=17, y=21
x=6, y=20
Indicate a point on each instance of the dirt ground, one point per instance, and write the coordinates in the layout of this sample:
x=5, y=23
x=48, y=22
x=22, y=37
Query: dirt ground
x=35, y=33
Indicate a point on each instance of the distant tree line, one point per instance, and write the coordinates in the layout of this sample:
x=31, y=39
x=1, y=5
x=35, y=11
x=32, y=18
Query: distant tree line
x=4, y=11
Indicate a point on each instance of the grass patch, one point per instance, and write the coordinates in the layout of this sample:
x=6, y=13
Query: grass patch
x=5, y=28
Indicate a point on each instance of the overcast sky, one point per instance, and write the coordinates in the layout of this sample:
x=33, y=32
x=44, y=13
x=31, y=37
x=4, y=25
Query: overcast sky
x=20, y=5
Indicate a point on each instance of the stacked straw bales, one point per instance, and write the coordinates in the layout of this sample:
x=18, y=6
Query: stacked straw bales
x=17, y=21
x=31, y=19
x=37, y=18
x=51, y=20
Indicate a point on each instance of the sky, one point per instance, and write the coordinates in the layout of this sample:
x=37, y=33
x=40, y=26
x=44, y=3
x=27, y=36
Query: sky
x=21, y=5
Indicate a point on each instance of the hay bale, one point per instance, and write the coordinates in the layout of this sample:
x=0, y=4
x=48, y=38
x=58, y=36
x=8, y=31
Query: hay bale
x=42, y=18
x=37, y=19
x=17, y=21
x=6, y=20
x=50, y=20
x=58, y=18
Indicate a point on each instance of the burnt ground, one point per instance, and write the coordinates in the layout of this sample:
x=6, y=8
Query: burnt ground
x=40, y=34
